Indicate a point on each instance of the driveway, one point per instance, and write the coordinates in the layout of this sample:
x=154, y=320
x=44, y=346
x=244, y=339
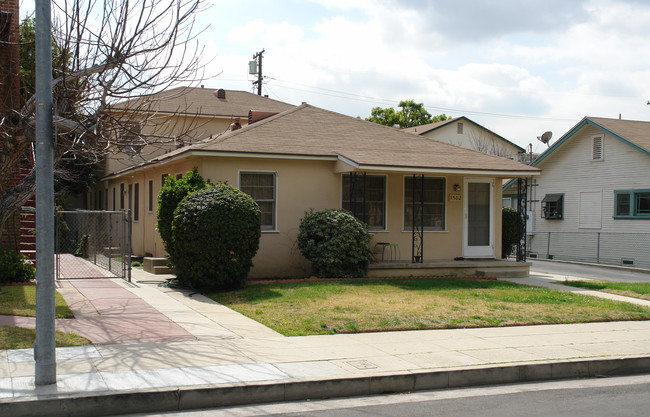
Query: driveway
x=596, y=272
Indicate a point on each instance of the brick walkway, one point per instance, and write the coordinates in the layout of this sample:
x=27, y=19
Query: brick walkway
x=122, y=317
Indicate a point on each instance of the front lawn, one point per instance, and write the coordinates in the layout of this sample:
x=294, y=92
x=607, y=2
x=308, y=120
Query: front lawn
x=20, y=300
x=20, y=338
x=351, y=306
x=628, y=289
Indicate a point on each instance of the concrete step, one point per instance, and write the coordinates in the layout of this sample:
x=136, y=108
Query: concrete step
x=162, y=269
x=31, y=254
x=150, y=263
x=503, y=273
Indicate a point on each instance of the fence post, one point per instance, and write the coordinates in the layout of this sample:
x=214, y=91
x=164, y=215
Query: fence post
x=548, y=246
x=127, y=258
x=598, y=250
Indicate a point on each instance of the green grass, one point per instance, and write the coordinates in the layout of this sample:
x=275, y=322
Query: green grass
x=20, y=300
x=351, y=306
x=20, y=338
x=628, y=289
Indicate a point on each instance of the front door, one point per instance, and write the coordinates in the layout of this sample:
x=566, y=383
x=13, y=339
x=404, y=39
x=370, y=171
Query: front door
x=478, y=218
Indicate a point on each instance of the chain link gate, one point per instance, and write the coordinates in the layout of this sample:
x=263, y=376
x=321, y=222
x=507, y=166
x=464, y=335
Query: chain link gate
x=93, y=244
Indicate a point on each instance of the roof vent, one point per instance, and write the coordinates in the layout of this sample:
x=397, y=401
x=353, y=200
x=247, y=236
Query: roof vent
x=220, y=93
x=257, y=115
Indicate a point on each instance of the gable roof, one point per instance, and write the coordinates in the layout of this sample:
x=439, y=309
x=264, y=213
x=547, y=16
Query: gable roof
x=634, y=133
x=313, y=133
x=203, y=101
x=424, y=129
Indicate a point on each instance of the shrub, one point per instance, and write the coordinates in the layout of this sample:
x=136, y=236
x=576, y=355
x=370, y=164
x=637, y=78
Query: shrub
x=509, y=235
x=336, y=243
x=172, y=193
x=216, y=233
x=15, y=267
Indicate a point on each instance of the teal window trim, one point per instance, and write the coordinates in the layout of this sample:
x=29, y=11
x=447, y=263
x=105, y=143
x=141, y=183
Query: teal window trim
x=633, y=203
x=553, y=206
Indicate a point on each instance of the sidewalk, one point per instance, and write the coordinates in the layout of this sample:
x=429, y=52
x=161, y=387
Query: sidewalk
x=223, y=358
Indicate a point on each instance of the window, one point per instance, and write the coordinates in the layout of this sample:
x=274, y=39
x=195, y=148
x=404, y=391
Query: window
x=179, y=176
x=130, y=197
x=113, y=198
x=122, y=196
x=261, y=186
x=162, y=179
x=459, y=128
x=369, y=203
x=632, y=204
x=136, y=201
x=434, y=203
x=150, y=196
x=597, y=148
x=553, y=206
x=106, y=199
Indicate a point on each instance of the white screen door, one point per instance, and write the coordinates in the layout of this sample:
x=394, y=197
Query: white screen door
x=478, y=218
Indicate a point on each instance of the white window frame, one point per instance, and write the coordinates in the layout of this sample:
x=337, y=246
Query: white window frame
x=274, y=227
x=444, y=203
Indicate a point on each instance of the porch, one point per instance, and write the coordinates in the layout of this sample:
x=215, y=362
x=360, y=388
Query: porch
x=466, y=267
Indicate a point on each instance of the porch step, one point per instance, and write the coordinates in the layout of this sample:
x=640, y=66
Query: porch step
x=162, y=269
x=503, y=273
x=156, y=265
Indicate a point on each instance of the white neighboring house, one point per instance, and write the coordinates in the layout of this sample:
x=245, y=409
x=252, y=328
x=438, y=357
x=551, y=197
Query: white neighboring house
x=464, y=132
x=592, y=200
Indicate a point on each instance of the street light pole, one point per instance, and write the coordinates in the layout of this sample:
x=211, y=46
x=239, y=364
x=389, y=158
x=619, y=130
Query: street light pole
x=45, y=344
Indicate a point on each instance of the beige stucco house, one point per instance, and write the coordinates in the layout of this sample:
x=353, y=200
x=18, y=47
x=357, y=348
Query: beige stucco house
x=464, y=132
x=309, y=158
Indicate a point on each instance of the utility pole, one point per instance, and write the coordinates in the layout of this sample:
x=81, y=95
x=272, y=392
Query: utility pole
x=45, y=344
x=258, y=57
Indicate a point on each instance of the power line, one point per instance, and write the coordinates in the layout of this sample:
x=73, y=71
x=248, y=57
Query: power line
x=377, y=100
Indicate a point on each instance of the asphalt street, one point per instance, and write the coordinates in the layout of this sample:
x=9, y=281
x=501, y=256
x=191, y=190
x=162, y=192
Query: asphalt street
x=587, y=271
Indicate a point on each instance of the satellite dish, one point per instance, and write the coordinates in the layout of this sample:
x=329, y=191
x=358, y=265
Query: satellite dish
x=545, y=138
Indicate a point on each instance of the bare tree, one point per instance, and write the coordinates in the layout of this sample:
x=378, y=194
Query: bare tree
x=483, y=141
x=104, y=52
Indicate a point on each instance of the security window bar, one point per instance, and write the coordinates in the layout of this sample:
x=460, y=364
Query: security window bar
x=365, y=196
x=150, y=196
x=261, y=187
x=632, y=204
x=553, y=207
x=136, y=201
x=433, y=203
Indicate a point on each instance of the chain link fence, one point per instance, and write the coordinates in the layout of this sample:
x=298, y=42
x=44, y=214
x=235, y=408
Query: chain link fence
x=93, y=244
x=626, y=249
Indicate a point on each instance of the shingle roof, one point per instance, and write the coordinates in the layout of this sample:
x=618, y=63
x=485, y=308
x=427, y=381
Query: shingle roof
x=203, y=101
x=634, y=131
x=310, y=131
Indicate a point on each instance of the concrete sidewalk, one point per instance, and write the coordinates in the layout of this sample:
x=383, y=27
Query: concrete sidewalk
x=230, y=359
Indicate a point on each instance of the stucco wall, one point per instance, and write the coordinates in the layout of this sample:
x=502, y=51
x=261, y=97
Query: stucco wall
x=301, y=185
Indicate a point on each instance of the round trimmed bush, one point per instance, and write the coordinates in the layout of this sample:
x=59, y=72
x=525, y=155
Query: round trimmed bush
x=336, y=243
x=172, y=192
x=216, y=234
x=15, y=267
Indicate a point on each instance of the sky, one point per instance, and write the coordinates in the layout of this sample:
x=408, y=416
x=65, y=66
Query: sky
x=517, y=67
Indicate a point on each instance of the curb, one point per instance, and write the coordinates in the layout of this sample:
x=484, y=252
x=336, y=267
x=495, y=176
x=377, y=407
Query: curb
x=187, y=398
